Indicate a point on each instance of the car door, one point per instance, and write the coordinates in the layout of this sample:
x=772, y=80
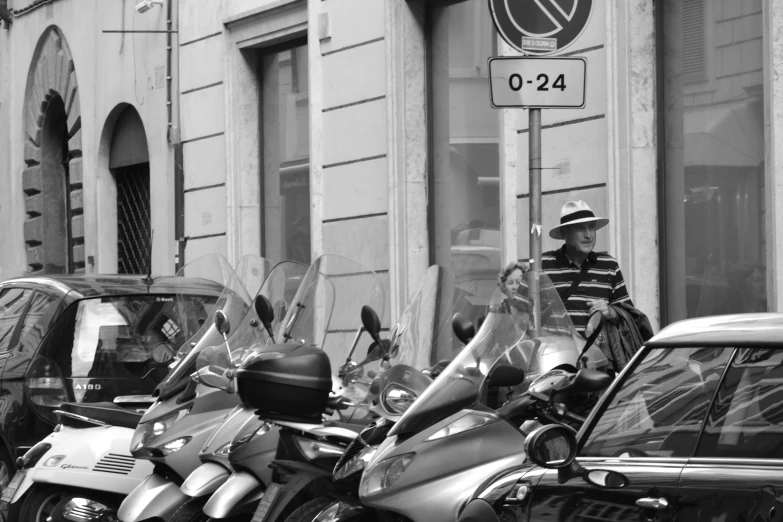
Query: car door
x=737, y=470
x=645, y=430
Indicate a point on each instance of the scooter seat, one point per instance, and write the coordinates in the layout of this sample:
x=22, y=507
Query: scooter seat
x=107, y=412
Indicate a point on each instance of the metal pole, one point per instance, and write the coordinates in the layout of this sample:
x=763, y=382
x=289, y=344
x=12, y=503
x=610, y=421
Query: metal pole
x=535, y=214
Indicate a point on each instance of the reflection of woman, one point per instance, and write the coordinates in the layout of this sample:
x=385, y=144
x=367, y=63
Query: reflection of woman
x=509, y=281
x=747, y=289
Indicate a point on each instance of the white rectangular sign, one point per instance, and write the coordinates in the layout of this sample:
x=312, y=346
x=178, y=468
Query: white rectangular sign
x=523, y=81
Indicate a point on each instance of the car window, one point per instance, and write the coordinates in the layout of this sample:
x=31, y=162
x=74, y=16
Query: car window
x=42, y=311
x=12, y=303
x=746, y=420
x=658, y=411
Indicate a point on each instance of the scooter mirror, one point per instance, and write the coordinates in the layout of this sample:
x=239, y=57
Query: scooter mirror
x=371, y=323
x=506, y=376
x=552, y=446
x=587, y=380
x=264, y=310
x=222, y=323
x=162, y=353
x=463, y=328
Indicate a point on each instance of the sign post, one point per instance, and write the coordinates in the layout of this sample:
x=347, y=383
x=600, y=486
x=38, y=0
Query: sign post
x=538, y=28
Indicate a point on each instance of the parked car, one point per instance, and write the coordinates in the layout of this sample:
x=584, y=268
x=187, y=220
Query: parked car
x=101, y=332
x=692, y=430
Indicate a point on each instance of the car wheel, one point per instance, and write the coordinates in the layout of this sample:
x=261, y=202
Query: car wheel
x=7, y=469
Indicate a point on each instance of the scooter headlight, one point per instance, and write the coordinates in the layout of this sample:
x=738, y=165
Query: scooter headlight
x=396, y=399
x=463, y=424
x=355, y=463
x=149, y=431
x=383, y=475
x=173, y=445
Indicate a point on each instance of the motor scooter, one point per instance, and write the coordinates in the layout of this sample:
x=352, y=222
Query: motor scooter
x=174, y=429
x=289, y=387
x=458, y=434
x=85, y=460
x=278, y=289
x=424, y=334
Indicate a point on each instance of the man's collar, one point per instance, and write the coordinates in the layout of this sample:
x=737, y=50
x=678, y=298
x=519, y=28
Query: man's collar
x=563, y=259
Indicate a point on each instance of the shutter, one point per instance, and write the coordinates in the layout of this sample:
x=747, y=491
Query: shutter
x=693, y=41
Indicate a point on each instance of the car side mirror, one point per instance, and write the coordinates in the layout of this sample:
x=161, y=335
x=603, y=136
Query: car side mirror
x=371, y=323
x=463, y=328
x=588, y=380
x=552, y=446
x=222, y=323
x=506, y=376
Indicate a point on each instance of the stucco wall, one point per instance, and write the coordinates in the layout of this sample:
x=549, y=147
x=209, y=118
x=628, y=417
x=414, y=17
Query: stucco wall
x=111, y=69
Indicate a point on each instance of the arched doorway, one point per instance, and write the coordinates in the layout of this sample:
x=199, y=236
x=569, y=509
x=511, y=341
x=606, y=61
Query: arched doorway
x=52, y=179
x=130, y=167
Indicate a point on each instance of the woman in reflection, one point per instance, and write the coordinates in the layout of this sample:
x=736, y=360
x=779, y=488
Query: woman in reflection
x=509, y=281
x=747, y=289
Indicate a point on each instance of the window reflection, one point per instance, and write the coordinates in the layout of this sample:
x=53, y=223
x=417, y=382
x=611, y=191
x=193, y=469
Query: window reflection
x=286, y=154
x=464, y=131
x=714, y=157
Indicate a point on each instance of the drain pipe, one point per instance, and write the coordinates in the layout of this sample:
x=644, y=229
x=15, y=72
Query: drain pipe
x=174, y=134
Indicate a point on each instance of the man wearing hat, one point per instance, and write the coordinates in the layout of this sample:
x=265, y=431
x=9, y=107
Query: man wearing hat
x=587, y=281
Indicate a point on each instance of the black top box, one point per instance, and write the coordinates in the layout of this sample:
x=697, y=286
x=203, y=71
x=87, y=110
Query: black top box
x=287, y=382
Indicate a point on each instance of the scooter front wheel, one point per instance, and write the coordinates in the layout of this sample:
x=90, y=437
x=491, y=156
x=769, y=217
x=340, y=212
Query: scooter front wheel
x=190, y=511
x=309, y=510
x=45, y=503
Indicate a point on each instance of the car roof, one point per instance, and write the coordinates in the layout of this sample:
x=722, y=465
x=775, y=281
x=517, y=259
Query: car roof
x=79, y=286
x=723, y=330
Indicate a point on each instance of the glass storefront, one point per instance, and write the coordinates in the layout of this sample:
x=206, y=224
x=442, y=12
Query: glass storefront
x=464, y=172
x=712, y=158
x=285, y=117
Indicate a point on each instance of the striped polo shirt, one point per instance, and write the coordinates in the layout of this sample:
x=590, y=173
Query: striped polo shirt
x=603, y=280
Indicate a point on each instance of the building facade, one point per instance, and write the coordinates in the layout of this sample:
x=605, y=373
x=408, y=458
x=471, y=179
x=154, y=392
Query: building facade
x=293, y=128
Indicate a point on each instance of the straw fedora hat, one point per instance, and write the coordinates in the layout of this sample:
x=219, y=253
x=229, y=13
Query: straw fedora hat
x=576, y=212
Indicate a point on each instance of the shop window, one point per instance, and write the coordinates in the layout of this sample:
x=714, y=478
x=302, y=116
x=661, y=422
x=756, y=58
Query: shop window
x=712, y=158
x=285, y=117
x=464, y=172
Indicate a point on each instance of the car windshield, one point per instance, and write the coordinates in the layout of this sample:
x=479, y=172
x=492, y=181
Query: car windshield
x=507, y=337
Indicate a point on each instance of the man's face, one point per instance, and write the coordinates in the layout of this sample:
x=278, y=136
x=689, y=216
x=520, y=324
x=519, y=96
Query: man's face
x=580, y=237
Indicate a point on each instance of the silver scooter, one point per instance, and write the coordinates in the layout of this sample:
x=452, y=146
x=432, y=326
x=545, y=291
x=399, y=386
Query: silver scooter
x=172, y=432
x=455, y=436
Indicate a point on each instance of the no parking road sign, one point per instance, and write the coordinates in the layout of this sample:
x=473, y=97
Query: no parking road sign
x=540, y=27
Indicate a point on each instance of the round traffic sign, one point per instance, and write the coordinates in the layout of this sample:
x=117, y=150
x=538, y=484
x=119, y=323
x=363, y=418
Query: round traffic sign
x=540, y=27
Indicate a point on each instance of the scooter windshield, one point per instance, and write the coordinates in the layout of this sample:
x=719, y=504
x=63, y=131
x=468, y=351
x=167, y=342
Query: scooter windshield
x=234, y=300
x=421, y=339
x=508, y=336
x=251, y=334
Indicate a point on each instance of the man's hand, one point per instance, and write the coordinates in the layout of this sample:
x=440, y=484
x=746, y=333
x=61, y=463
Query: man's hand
x=600, y=305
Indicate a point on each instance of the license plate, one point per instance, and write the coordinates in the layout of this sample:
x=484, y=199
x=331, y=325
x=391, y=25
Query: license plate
x=10, y=489
x=267, y=501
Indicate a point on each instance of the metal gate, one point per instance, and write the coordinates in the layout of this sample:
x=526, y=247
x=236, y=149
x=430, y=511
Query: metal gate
x=133, y=218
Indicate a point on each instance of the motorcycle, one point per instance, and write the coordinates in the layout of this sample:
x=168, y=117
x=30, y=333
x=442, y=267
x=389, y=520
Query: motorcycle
x=174, y=429
x=215, y=469
x=289, y=386
x=457, y=434
x=83, y=468
x=425, y=332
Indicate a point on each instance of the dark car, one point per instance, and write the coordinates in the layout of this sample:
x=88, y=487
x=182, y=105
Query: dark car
x=99, y=333
x=692, y=430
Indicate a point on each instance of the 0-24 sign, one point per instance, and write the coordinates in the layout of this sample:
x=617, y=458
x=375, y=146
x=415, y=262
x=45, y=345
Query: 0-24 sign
x=537, y=82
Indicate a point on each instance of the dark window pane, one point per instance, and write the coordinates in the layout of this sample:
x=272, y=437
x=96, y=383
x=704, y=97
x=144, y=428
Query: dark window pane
x=660, y=407
x=286, y=154
x=747, y=418
x=40, y=315
x=12, y=303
